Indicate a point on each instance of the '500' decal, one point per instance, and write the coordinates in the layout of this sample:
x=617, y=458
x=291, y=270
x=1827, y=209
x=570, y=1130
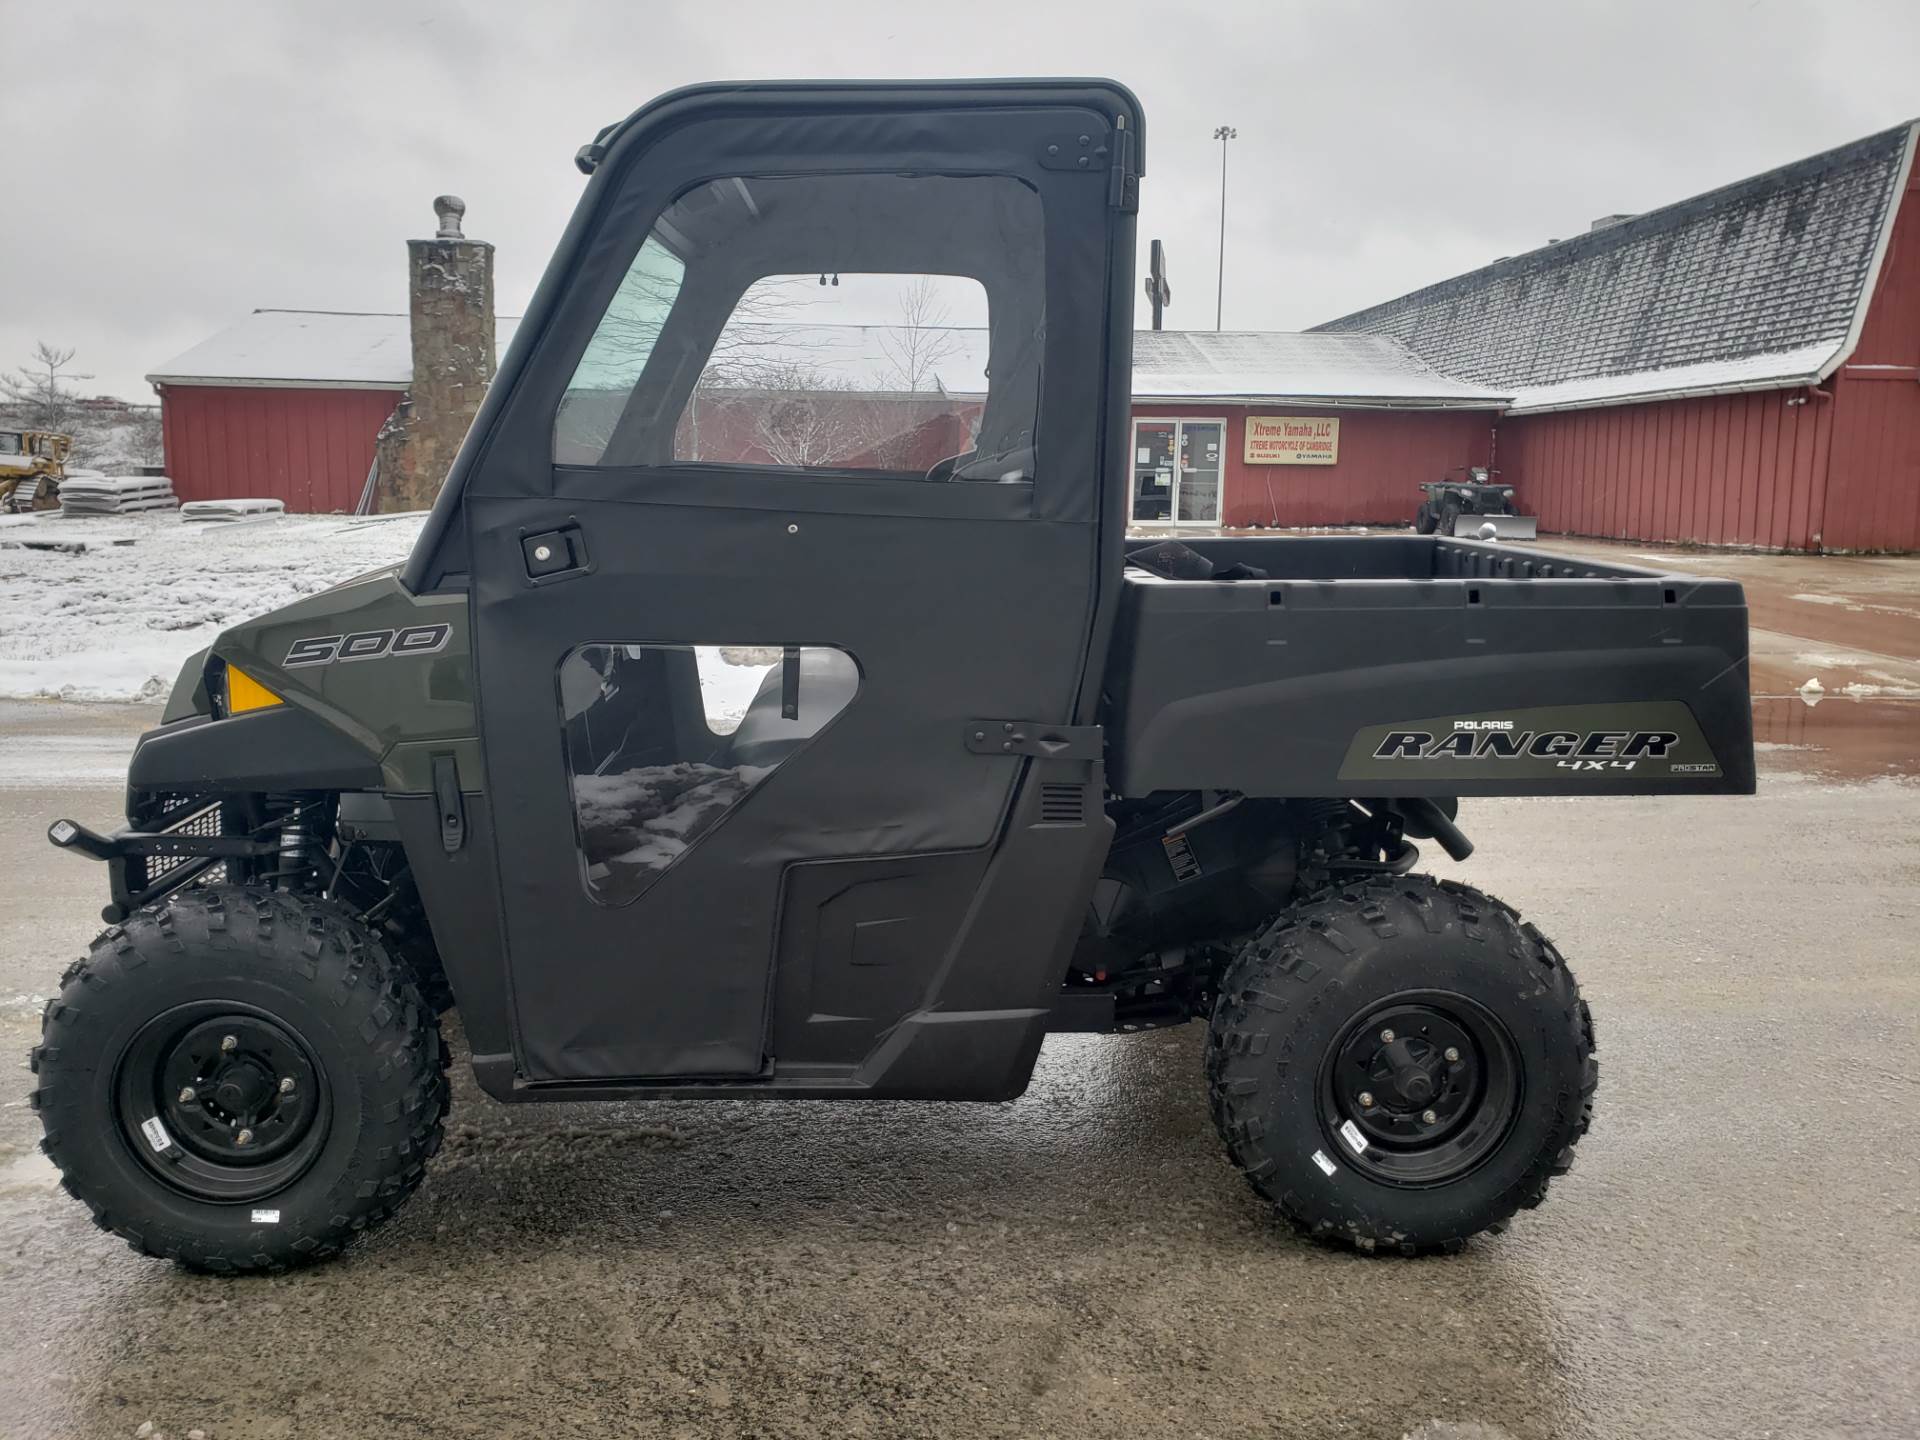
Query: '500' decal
x=367, y=645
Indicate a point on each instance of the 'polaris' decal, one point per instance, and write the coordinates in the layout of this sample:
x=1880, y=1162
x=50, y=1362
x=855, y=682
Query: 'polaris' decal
x=1657, y=738
x=367, y=645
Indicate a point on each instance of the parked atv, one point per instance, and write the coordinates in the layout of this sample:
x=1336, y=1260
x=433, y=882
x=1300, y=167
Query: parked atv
x=1475, y=503
x=836, y=780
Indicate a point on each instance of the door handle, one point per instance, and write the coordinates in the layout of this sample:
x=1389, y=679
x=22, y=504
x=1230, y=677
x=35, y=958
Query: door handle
x=554, y=554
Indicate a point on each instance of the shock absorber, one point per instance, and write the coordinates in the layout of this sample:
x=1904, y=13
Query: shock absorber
x=293, y=838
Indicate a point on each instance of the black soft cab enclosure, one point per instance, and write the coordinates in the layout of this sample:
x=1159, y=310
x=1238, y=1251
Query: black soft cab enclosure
x=1403, y=665
x=769, y=710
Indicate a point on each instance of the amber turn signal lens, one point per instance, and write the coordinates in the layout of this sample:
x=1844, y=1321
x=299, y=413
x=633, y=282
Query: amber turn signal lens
x=245, y=693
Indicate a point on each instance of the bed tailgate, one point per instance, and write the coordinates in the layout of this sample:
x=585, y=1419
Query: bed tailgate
x=1485, y=671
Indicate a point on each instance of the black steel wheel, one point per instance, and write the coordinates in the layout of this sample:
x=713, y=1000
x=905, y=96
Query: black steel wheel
x=240, y=1079
x=1430, y=1082
x=1400, y=1063
x=222, y=1102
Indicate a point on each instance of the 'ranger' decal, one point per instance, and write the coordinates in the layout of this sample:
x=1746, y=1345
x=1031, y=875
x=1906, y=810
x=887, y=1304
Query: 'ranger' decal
x=1510, y=744
x=1655, y=738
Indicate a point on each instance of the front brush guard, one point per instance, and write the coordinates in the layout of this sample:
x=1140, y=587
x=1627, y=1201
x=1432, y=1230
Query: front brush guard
x=195, y=852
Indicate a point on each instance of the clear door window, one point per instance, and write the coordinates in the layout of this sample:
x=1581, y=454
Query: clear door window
x=859, y=322
x=843, y=371
x=664, y=741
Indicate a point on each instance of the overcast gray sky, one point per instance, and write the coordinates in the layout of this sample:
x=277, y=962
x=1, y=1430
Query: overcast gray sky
x=170, y=166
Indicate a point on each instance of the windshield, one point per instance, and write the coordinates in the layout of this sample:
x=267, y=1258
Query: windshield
x=625, y=338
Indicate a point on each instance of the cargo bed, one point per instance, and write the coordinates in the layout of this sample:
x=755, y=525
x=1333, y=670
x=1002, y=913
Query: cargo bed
x=1421, y=665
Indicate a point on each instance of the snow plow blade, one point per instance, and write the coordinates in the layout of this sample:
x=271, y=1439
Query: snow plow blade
x=1505, y=527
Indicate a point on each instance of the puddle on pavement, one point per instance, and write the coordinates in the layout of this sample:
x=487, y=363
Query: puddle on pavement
x=1838, y=737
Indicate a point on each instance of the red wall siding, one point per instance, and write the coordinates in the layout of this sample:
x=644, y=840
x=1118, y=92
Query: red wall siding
x=1873, y=483
x=310, y=448
x=1719, y=470
x=1384, y=455
x=1779, y=469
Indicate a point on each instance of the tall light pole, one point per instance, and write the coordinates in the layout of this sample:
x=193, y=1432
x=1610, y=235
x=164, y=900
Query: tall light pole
x=1223, y=134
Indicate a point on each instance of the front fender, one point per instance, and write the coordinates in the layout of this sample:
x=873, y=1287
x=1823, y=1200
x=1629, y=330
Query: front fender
x=282, y=748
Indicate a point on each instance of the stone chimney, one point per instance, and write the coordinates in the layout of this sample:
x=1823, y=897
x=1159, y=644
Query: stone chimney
x=450, y=313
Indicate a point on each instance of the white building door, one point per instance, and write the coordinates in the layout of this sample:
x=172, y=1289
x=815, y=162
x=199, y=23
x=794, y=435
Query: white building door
x=1178, y=469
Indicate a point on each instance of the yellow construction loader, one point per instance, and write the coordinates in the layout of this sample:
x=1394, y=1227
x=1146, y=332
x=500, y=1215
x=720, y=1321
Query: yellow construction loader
x=32, y=465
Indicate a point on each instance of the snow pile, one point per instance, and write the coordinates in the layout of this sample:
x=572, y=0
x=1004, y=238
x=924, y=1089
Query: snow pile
x=226, y=512
x=109, y=608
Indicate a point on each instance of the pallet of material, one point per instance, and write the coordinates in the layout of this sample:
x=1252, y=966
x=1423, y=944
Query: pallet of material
x=115, y=494
x=228, y=511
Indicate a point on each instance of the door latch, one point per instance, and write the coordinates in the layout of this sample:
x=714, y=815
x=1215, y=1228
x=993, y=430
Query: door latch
x=446, y=798
x=553, y=553
x=1031, y=737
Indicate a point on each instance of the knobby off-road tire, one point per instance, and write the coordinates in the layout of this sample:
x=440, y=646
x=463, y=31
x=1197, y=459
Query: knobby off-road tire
x=1443, y=969
x=1424, y=520
x=275, y=1014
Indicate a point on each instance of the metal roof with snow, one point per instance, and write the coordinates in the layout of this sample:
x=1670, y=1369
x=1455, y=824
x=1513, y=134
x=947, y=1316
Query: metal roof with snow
x=340, y=350
x=1757, y=285
x=307, y=349
x=1265, y=366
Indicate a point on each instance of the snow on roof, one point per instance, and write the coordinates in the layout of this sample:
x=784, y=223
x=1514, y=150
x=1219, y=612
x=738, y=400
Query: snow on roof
x=1769, y=371
x=1278, y=366
x=1756, y=285
x=301, y=348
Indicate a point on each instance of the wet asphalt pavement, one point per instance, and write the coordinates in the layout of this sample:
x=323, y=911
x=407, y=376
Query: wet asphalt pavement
x=1735, y=1254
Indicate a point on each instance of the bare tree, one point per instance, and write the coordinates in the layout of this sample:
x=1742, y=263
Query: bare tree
x=42, y=391
x=921, y=341
x=118, y=441
x=801, y=417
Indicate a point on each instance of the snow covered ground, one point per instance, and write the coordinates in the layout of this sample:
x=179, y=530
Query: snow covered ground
x=107, y=607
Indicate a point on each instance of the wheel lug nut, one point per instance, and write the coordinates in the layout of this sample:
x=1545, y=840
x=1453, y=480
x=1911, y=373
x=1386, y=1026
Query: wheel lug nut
x=1366, y=1099
x=245, y=1137
x=1427, y=1117
x=229, y=1043
x=186, y=1094
x=1452, y=1054
x=286, y=1085
x=1386, y=1037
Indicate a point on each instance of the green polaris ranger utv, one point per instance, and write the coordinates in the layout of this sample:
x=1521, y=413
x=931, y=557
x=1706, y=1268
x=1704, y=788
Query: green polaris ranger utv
x=696, y=770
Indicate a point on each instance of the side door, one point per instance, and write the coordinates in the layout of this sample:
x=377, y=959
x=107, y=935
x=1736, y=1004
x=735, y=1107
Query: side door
x=805, y=472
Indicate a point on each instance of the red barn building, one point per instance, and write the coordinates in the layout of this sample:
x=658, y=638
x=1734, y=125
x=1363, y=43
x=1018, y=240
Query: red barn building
x=1741, y=368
